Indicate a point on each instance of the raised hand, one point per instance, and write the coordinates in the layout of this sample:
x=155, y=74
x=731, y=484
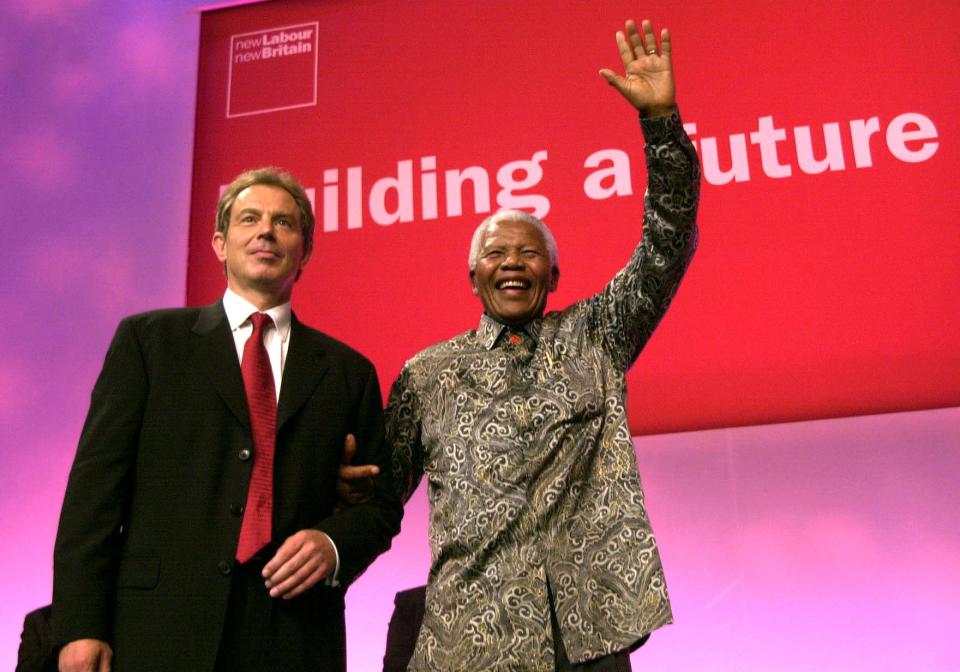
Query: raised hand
x=648, y=71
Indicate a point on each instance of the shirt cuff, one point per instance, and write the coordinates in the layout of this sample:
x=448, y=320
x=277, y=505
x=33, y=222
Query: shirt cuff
x=660, y=130
x=333, y=580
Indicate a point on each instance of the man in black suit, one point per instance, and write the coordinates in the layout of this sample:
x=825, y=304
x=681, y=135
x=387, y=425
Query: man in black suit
x=150, y=567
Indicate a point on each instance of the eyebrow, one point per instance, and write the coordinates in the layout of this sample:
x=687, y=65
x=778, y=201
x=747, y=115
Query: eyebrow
x=526, y=246
x=258, y=211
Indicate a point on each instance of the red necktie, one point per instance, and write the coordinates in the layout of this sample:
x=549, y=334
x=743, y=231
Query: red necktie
x=255, y=531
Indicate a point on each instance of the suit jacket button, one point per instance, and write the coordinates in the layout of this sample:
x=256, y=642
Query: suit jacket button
x=225, y=567
x=236, y=508
x=244, y=454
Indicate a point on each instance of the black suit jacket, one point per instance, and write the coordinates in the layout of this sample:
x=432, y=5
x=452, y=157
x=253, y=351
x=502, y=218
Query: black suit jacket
x=151, y=516
x=404, y=628
x=36, y=649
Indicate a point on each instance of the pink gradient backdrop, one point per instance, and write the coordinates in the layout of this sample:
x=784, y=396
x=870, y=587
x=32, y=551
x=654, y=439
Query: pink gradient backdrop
x=828, y=545
x=820, y=545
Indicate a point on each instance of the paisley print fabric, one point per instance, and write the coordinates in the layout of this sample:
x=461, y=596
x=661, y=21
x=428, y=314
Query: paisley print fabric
x=530, y=464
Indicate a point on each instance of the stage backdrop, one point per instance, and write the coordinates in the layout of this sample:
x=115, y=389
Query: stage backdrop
x=823, y=545
x=825, y=284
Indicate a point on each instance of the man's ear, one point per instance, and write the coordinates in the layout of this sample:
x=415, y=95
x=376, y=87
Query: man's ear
x=554, y=278
x=219, y=245
x=473, y=283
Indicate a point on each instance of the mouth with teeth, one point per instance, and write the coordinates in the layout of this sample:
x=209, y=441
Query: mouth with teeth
x=509, y=284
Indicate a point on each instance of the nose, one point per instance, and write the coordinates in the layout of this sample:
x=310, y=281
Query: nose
x=513, y=259
x=265, y=226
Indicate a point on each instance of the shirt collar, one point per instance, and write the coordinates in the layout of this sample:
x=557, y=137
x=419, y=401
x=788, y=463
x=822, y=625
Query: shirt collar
x=489, y=330
x=238, y=311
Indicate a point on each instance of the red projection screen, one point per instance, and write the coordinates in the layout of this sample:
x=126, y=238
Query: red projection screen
x=825, y=283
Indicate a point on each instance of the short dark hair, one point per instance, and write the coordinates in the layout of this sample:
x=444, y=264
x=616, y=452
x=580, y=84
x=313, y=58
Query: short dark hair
x=274, y=177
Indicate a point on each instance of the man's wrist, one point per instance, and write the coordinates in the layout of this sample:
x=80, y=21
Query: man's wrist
x=656, y=112
x=659, y=130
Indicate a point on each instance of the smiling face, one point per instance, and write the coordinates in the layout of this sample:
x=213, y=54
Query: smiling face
x=262, y=248
x=513, y=275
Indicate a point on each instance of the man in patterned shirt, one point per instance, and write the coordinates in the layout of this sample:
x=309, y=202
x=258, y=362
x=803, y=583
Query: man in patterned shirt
x=543, y=556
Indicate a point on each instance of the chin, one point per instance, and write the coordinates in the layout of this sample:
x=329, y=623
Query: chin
x=516, y=320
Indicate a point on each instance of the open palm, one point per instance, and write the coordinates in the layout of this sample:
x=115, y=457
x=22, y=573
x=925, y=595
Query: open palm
x=647, y=82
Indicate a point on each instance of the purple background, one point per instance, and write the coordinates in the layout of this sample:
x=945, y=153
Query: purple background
x=827, y=545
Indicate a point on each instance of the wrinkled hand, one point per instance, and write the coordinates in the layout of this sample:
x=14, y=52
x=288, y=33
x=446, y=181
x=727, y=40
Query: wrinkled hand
x=303, y=560
x=85, y=655
x=354, y=483
x=648, y=70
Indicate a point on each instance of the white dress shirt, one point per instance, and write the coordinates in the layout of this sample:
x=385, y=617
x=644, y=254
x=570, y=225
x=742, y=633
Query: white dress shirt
x=276, y=340
x=277, y=343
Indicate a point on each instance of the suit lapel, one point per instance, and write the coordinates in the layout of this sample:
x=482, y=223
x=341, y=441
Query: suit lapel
x=218, y=356
x=305, y=365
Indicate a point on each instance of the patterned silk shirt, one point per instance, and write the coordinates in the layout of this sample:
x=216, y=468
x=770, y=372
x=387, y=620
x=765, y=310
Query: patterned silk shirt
x=531, y=469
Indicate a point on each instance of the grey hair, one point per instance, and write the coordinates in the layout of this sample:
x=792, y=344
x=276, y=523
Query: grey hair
x=512, y=216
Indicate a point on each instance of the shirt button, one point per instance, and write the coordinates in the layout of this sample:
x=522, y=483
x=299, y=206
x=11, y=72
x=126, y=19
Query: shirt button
x=225, y=567
x=244, y=454
x=236, y=508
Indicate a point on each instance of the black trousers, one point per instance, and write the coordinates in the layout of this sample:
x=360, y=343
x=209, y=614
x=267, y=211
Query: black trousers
x=265, y=634
x=614, y=662
x=245, y=643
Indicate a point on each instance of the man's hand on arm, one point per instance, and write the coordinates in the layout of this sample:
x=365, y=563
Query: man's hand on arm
x=309, y=556
x=354, y=483
x=85, y=655
x=303, y=560
x=647, y=83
